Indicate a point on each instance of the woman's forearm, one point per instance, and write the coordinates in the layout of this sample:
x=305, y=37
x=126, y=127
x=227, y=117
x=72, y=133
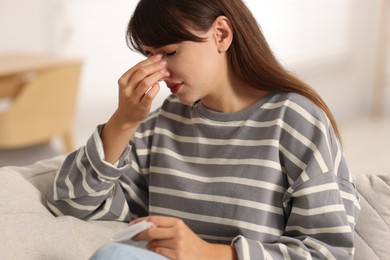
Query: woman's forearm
x=115, y=137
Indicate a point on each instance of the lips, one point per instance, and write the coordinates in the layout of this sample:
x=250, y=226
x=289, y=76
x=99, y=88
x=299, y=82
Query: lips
x=174, y=87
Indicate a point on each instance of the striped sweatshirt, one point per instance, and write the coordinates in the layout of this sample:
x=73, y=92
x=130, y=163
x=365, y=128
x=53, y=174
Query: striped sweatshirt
x=270, y=179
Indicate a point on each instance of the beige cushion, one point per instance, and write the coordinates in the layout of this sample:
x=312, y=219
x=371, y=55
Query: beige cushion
x=30, y=231
x=372, y=229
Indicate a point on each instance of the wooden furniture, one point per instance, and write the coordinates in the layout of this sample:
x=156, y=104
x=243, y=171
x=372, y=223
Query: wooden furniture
x=42, y=91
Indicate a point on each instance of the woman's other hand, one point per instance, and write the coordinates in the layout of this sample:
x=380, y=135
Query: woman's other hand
x=172, y=238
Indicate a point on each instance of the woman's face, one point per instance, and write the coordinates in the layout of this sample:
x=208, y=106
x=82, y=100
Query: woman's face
x=196, y=68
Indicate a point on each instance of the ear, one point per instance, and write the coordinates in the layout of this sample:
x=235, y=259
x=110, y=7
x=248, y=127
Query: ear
x=223, y=33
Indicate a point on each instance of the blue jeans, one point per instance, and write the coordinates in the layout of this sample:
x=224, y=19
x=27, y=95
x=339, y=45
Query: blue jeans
x=124, y=251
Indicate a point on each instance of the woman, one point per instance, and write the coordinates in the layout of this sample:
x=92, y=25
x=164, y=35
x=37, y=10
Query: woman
x=242, y=161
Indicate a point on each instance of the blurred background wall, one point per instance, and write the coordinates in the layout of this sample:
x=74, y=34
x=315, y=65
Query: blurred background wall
x=332, y=44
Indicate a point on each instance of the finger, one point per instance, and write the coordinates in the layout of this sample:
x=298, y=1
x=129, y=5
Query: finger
x=146, y=77
x=151, y=93
x=166, y=243
x=155, y=233
x=124, y=79
x=160, y=221
x=167, y=252
x=143, y=79
x=144, y=71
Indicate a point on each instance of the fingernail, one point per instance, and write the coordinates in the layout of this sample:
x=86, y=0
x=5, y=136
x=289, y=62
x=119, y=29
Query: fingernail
x=164, y=72
x=163, y=62
x=159, y=56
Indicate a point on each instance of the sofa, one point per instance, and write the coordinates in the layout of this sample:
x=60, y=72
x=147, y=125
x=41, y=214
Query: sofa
x=30, y=231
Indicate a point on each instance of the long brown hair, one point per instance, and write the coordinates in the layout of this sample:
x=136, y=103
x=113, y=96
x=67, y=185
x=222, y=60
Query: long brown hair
x=157, y=23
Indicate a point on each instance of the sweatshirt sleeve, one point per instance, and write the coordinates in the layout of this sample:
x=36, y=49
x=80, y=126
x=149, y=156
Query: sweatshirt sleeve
x=89, y=188
x=320, y=203
x=320, y=220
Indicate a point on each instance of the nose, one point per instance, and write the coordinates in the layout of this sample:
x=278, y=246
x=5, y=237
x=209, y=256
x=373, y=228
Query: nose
x=165, y=70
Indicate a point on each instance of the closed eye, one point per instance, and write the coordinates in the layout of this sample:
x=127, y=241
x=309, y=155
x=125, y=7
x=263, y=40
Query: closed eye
x=170, y=53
